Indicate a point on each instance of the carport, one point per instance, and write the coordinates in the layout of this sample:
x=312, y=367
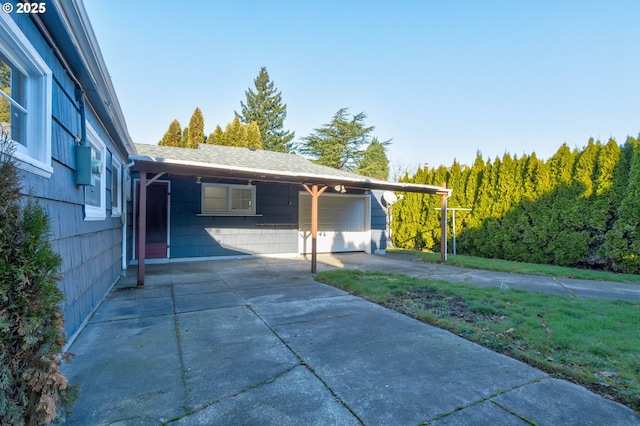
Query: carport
x=314, y=178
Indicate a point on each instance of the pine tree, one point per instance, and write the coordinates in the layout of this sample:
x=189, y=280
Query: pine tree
x=173, y=136
x=265, y=107
x=196, y=130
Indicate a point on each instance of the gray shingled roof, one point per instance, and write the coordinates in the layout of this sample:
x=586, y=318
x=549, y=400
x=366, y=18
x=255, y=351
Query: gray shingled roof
x=246, y=163
x=241, y=158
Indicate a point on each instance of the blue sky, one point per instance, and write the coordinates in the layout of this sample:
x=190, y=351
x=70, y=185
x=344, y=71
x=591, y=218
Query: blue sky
x=442, y=79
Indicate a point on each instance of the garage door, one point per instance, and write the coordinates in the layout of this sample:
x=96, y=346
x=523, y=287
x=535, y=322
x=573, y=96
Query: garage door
x=343, y=223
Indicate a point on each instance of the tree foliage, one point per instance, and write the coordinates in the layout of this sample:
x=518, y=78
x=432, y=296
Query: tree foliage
x=196, y=130
x=264, y=106
x=173, y=136
x=237, y=134
x=374, y=161
x=30, y=316
x=581, y=207
x=338, y=144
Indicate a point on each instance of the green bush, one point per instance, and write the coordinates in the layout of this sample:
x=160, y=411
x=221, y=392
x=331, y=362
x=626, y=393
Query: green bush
x=32, y=337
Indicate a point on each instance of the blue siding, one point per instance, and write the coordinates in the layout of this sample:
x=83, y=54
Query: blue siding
x=91, y=251
x=273, y=231
x=378, y=223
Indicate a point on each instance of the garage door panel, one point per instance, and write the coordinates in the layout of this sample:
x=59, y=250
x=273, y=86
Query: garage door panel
x=342, y=223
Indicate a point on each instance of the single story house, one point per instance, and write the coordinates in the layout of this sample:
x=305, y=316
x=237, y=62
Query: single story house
x=217, y=201
x=113, y=203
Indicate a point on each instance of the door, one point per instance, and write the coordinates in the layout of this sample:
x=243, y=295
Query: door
x=157, y=236
x=342, y=223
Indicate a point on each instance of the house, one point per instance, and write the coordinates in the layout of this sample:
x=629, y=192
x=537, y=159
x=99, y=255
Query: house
x=217, y=201
x=72, y=143
x=113, y=203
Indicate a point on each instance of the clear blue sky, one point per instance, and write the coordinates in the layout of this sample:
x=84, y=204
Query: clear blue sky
x=443, y=79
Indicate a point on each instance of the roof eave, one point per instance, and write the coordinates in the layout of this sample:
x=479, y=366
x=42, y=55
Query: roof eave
x=208, y=170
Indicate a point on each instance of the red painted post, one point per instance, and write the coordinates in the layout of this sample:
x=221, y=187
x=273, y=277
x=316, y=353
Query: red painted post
x=142, y=225
x=315, y=194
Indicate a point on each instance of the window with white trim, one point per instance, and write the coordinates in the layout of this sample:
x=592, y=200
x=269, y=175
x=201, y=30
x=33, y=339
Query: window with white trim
x=94, y=196
x=25, y=99
x=116, y=187
x=228, y=199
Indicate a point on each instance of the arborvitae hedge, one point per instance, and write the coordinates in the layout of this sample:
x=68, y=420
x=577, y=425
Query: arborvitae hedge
x=580, y=207
x=32, y=388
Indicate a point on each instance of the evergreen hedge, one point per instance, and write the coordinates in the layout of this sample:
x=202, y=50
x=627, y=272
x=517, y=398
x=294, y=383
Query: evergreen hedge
x=32, y=336
x=579, y=208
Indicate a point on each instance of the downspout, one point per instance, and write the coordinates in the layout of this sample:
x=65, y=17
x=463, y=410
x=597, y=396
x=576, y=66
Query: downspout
x=124, y=215
x=83, y=116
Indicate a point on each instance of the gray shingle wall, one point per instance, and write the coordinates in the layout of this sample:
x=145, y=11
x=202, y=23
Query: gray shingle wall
x=91, y=251
x=273, y=231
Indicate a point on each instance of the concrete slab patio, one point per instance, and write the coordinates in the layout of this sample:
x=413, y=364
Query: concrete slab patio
x=258, y=341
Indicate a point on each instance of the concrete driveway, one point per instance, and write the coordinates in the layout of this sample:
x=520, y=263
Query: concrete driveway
x=258, y=341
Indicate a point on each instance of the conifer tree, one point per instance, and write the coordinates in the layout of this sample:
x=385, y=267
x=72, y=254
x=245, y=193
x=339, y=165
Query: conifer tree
x=196, y=130
x=254, y=140
x=173, y=135
x=338, y=144
x=185, y=137
x=235, y=134
x=265, y=107
x=623, y=241
x=217, y=137
x=374, y=162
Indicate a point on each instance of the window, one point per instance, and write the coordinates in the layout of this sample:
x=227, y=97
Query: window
x=94, y=196
x=116, y=187
x=228, y=199
x=25, y=99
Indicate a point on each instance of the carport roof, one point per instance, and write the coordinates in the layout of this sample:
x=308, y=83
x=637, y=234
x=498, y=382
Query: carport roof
x=217, y=161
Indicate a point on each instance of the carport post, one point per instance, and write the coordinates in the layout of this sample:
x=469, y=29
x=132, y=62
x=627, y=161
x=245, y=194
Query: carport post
x=142, y=225
x=443, y=226
x=315, y=194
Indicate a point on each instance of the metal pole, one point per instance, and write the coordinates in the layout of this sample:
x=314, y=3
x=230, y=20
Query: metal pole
x=454, y=231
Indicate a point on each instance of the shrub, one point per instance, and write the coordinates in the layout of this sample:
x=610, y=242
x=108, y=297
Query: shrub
x=32, y=337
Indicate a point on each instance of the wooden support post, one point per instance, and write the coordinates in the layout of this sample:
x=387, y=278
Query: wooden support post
x=315, y=193
x=443, y=226
x=142, y=225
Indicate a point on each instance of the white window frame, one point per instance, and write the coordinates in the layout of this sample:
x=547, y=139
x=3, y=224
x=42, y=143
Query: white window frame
x=116, y=185
x=35, y=157
x=92, y=212
x=228, y=210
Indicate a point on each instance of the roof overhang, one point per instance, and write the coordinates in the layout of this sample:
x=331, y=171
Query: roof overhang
x=67, y=22
x=209, y=170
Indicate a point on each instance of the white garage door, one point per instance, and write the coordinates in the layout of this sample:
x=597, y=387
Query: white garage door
x=343, y=223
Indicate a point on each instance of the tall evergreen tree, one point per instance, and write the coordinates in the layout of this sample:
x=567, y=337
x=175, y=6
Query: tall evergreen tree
x=185, y=137
x=217, y=137
x=338, y=144
x=374, y=161
x=173, y=135
x=265, y=107
x=235, y=134
x=196, y=129
x=254, y=140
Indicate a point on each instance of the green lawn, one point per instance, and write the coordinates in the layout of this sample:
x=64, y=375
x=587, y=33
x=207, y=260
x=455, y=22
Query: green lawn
x=591, y=342
x=521, y=267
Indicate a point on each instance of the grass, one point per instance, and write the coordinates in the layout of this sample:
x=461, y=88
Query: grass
x=522, y=267
x=593, y=343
